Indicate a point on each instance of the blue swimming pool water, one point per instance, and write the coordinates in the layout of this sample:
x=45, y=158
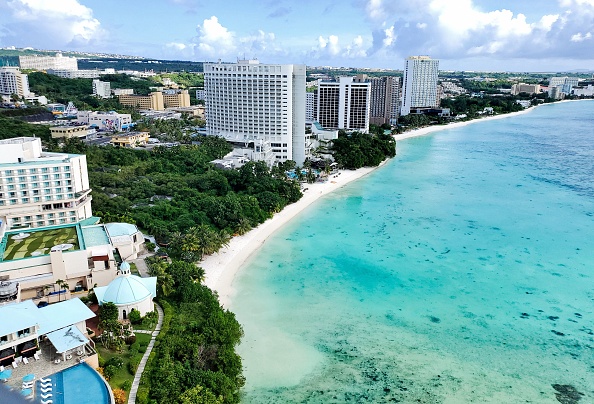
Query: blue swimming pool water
x=78, y=385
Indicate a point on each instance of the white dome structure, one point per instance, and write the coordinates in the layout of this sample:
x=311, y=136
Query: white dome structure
x=129, y=292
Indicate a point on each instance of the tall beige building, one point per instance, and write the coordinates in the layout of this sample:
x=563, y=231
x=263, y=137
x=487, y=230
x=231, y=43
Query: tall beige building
x=156, y=100
x=12, y=81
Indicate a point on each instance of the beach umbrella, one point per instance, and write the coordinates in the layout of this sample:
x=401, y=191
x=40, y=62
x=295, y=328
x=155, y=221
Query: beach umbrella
x=5, y=374
x=29, y=377
x=26, y=392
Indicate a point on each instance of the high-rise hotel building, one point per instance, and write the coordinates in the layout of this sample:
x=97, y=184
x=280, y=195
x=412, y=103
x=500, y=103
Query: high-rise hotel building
x=39, y=189
x=344, y=104
x=419, y=88
x=258, y=105
x=12, y=81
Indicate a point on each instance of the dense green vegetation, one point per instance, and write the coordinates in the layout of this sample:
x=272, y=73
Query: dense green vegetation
x=170, y=190
x=79, y=91
x=11, y=127
x=464, y=104
x=356, y=150
x=194, y=359
x=184, y=79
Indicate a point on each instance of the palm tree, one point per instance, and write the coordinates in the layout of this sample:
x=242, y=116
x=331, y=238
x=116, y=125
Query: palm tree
x=63, y=285
x=243, y=226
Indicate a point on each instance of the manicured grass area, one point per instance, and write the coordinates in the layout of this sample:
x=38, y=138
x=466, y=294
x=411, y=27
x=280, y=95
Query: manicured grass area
x=123, y=375
x=134, y=269
x=31, y=244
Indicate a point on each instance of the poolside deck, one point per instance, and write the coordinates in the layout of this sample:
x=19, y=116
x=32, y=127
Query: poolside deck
x=45, y=366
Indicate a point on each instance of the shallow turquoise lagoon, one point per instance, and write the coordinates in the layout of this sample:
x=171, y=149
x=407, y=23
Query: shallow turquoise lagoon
x=461, y=271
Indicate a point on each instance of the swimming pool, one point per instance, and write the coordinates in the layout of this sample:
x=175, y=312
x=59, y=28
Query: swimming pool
x=79, y=384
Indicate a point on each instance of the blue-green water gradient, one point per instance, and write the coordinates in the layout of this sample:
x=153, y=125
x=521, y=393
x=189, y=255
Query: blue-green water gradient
x=460, y=271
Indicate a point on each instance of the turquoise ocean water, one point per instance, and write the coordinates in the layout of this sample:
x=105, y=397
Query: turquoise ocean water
x=460, y=271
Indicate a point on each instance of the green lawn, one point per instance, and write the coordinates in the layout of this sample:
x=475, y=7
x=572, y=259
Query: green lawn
x=39, y=242
x=123, y=373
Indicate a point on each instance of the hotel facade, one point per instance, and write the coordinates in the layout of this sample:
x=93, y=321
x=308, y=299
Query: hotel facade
x=344, y=104
x=258, y=105
x=419, y=87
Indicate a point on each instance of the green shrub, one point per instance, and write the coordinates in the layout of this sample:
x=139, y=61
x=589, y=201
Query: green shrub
x=142, y=396
x=142, y=349
x=109, y=371
x=135, y=317
x=101, y=360
x=133, y=364
x=116, y=362
x=126, y=385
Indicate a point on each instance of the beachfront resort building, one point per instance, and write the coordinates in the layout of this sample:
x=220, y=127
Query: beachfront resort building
x=50, y=244
x=419, y=86
x=27, y=331
x=57, y=62
x=525, y=88
x=12, y=81
x=260, y=107
x=561, y=86
x=344, y=104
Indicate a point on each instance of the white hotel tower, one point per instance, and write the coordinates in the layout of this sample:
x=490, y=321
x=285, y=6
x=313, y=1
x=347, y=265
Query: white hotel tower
x=39, y=189
x=419, y=88
x=260, y=104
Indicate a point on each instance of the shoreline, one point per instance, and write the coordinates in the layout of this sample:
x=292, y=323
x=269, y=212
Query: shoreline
x=222, y=267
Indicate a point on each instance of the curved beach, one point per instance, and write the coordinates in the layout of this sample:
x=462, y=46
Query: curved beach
x=222, y=267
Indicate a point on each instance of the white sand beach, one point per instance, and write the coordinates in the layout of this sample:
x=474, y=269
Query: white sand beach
x=222, y=267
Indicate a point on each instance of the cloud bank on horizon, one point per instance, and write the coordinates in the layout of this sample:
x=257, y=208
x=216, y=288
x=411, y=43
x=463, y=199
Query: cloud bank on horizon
x=465, y=34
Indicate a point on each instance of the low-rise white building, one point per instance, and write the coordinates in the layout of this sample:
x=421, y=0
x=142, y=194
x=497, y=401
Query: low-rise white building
x=101, y=88
x=108, y=121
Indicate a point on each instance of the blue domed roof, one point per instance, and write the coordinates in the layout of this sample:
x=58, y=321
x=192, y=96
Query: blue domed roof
x=126, y=290
x=125, y=267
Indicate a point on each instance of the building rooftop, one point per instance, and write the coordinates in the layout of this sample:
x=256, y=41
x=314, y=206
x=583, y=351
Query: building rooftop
x=18, y=316
x=62, y=314
x=127, y=289
x=94, y=236
x=120, y=229
x=33, y=243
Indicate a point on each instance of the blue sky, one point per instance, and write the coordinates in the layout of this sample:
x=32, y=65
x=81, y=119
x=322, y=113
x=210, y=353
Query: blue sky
x=515, y=35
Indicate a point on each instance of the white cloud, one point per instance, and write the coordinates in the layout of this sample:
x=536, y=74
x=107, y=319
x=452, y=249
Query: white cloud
x=579, y=37
x=331, y=47
x=215, y=41
x=454, y=29
x=389, y=36
x=48, y=24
